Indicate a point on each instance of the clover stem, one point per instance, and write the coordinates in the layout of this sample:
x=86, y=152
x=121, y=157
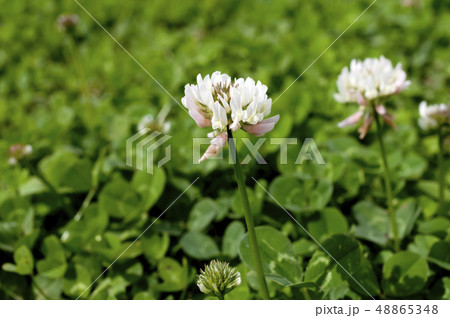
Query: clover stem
x=221, y=297
x=387, y=181
x=441, y=168
x=248, y=219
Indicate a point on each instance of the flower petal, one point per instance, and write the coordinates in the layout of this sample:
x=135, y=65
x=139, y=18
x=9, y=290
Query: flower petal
x=351, y=120
x=262, y=127
x=361, y=100
x=365, y=127
x=387, y=117
x=216, y=145
x=196, y=113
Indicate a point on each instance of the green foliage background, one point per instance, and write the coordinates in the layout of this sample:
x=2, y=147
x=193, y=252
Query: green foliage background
x=76, y=97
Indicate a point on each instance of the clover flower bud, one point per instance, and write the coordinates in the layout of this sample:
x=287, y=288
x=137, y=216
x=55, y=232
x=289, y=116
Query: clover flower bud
x=18, y=152
x=218, y=279
x=67, y=22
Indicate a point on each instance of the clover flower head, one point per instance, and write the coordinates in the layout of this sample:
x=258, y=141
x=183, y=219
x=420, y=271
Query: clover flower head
x=218, y=279
x=67, y=22
x=432, y=116
x=149, y=122
x=18, y=152
x=221, y=103
x=369, y=81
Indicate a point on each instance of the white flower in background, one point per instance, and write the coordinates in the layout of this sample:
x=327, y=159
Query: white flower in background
x=67, y=22
x=149, y=122
x=19, y=152
x=369, y=81
x=223, y=104
x=218, y=279
x=432, y=116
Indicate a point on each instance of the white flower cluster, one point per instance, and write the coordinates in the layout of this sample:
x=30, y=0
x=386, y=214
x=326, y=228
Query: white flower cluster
x=432, y=116
x=370, y=79
x=218, y=102
x=154, y=124
x=19, y=152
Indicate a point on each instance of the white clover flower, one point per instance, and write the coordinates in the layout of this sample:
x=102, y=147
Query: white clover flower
x=149, y=122
x=218, y=279
x=223, y=104
x=249, y=106
x=19, y=152
x=199, y=99
x=370, y=79
x=366, y=81
x=432, y=116
x=67, y=22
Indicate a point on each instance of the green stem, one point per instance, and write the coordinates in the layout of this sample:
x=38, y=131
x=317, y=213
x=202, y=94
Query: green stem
x=221, y=297
x=441, y=168
x=305, y=293
x=86, y=203
x=248, y=219
x=387, y=182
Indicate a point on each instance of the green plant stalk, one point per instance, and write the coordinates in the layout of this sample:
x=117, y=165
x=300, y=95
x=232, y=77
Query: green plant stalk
x=387, y=182
x=221, y=297
x=248, y=220
x=441, y=168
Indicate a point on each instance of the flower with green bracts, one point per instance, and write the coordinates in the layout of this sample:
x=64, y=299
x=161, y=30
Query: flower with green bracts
x=218, y=279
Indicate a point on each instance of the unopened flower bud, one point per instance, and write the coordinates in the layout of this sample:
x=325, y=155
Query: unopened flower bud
x=218, y=279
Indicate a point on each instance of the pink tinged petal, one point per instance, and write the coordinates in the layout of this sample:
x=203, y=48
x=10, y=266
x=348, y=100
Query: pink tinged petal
x=387, y=117
x=262, y=127
x=365, y=127
x=235, y=126
x=220, y=140
x=196, y=113
x=212, y=150
x=361, y=100
x=199, y=119
x=216, y=145
x=381, y=110
x=351, y=120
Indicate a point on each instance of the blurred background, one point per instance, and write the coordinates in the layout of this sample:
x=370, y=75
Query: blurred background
x=72, y=206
